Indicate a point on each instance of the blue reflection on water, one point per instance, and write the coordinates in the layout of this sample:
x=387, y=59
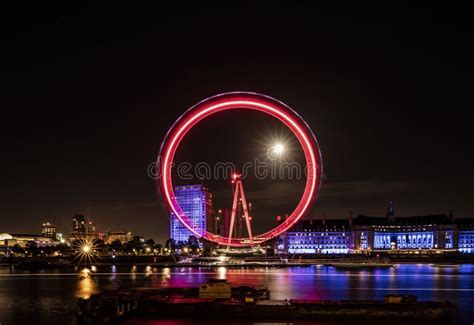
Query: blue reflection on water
x=49, y=296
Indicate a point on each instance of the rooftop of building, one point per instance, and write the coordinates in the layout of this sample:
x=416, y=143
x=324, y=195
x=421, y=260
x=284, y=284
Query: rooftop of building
x=435, y=219
x=362, y=220
x=190, y=187
x=315, y=225
x=108, y=233
x=28, y=236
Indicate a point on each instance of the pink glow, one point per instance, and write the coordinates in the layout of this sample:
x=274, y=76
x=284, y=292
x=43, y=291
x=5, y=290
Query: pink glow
x=252, y=101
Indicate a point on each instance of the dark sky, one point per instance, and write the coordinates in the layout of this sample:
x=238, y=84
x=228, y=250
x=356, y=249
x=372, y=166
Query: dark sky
x=89, y=93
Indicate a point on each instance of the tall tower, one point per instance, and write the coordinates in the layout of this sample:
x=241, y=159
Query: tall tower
x=239, y=191
x=79, y=224
x=48, y=230
x=196, y=203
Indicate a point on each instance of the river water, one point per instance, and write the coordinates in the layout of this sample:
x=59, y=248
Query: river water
x=48, y=297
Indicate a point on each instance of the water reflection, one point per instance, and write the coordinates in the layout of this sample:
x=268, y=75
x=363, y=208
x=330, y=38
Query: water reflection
x=133, y=274
x=148, y=271
x=113, y=275
x=221, y=273
x=55, y=287
x=85, y=285
x=165, y=276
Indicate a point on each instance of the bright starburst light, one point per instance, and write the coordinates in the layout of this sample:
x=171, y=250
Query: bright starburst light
x=86, y=250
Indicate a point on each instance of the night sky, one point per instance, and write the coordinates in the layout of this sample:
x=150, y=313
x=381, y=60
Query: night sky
x=89, y=93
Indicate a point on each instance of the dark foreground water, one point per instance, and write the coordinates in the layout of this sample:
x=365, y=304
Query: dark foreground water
x=48, y=297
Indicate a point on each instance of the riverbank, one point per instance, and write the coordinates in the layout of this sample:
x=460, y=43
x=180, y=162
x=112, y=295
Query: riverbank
x=231, y=262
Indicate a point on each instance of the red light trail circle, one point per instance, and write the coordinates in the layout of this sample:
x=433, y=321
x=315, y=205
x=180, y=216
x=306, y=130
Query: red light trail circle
x=240, y=101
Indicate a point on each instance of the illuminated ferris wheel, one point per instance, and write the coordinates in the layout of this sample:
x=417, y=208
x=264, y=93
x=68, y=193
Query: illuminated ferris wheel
x=241, y=101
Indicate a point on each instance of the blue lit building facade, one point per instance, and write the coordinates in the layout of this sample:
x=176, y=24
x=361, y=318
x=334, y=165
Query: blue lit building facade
x=318, y=237
x=465, y=235
x=196, y=203
x=406, y=233
x=403, y=234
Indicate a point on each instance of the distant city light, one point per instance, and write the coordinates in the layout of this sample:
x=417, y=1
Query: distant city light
x=86, y=250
